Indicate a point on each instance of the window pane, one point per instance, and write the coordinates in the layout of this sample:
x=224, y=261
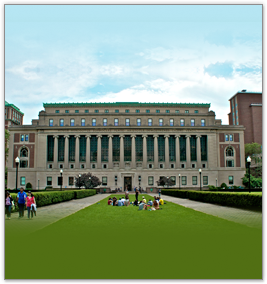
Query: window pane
x=93, y=148
x=184, y=182
x=71, y=180
x=127, y=122
x=26, y=137
x=93, y=122
x=83, y=122
x=104, y=148
x=203, y=122
x=61, y=122
x=82, y=147
x=139, y=147
x=104, y=180
x=116, y=121
x=192, y=122
x=231, y=180
x=105, y=121
x=116, y=148
x=50, y=122
x=205, y=180
x=50, y=148
x=72, y=122
x=49, y=181
x=22, y=180
x=194, y=180
x=150, y=180
x=72, y=142
x=127, y=148
x=160, y=122
x=171, y=122
x=181, y=122
x=22, y=138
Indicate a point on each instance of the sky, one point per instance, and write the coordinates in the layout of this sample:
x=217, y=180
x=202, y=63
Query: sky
x=140, y=53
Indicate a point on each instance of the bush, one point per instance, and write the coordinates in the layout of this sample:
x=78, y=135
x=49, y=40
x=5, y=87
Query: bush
x=244, y=200
x=224, y=186
x=254, y=182
x=52, y=197
x=28, y=185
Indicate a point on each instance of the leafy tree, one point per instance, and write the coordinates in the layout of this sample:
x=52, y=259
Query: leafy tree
x=85, y=182
x=7, y=134
x=253, y=150
x=254, y=182
x=165, y=181
x=28, y=185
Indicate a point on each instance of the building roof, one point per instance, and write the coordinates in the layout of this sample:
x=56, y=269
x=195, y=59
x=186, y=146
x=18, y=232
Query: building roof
x=15, y=107
x=245, y=92
x=125, y=104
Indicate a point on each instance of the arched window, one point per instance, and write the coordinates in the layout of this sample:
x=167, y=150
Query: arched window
x=229, y=152
x=23, y=152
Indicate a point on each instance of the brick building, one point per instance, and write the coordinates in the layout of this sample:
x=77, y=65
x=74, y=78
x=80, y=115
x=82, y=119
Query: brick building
x=127, y=144
x=13, y=115
x=246, y=110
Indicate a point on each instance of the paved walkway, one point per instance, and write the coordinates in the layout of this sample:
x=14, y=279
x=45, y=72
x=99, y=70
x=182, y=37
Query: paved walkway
x=241, y=216
x=49, y=214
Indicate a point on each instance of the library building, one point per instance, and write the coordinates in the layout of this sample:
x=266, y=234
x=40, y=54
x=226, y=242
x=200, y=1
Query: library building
x=126, y=144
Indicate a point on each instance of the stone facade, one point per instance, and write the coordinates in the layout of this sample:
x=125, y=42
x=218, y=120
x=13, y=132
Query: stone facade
x=13, y=115
x=127, y=144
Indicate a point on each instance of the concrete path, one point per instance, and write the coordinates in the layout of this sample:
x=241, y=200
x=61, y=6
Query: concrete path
x=49, y=214
x=241, y=216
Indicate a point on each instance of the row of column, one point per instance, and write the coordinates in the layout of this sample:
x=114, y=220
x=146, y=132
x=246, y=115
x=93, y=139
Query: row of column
x=133, y=162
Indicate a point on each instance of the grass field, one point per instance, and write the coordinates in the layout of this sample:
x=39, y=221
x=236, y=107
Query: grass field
x=108, y=242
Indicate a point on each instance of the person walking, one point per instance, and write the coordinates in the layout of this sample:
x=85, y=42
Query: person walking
x=29, y=202
x=136, y=194
x=8, y=203
x=21, y=197
x=159, y=192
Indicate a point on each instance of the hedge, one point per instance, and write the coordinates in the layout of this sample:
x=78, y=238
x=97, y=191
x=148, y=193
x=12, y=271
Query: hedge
x=52, y=197
x=243, y=200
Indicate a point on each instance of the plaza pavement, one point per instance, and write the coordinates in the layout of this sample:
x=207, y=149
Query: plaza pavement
x=47, y=215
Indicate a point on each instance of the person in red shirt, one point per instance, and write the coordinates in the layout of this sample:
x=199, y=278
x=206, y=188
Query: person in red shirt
x=29, y=201
x=110, y=201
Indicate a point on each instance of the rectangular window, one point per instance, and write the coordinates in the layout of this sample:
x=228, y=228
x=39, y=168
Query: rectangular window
x=96, y=111
x=147, y=110
x=150, y=180
x=72, y=122
x=157, y=111
x=138, y=121
x=127, y=121
x=104, y=181
x=50, y=148
x=76, y=111
x=71, y=181
x=186, y=111
x=21, y=137
x=116, y=121
x=61, y=122
x=106, y=111
x=67, y=111
x=57, y=111
x=192, y=122
x=184, y=180
x=150, y=122
x=231, y=179
x=231, y=137
x=104, y=148
x=127, y=110
x=139, y=147
x=51, y=122
x=181, y=122
x=194, y=180
x=82, y=152
x=93, y=122
x=49, y=181
x=171, y=122
x=105, y=122
x=160, y=122
x=226, y=137
x=116, y=111
x=26, y=137
x=196, y=111
x=229, y=163
x=205, y=180
x=86, y=111
x=116, y=148
x=137, y=110
x=177, y=111
x=167, y=111
x=22, y=180
x=203, y=123
x=82, y=122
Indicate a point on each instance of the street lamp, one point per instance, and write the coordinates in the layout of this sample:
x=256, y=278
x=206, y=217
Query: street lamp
x=249, y=161
x=216, y=182
x=200, y=177
x=167, y=181
x=79, y=181
x=89, y=182
x=179, y=181
x=17, y=166
x=61, y=179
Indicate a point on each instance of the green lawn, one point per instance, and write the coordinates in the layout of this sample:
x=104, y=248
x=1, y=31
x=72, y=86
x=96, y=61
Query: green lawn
x=107, y=242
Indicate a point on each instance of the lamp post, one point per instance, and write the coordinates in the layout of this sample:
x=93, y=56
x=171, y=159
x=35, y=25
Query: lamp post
x=167, y=181
x=17, y=166
x=216, y=182
x=249, y=161
x=61, y=179
x=79, y=181
x=200, y=177
x=179, y=181
x=89, y=182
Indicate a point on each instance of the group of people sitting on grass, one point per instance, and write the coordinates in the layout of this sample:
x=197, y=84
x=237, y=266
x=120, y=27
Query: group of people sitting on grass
x=143, y=204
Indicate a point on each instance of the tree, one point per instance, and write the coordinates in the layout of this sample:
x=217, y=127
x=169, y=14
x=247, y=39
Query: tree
x=253, y=150
x=7, y=134
x=165, y=181
x=85, y=182
x=254, y=182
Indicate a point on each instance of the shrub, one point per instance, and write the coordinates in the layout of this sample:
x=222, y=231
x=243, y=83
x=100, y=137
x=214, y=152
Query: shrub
x=28, y=185
x=84, y=193
x=254, y=182
x=224, y=186
x=244, y=200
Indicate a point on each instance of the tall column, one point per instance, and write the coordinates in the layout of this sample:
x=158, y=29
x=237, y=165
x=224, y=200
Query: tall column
x=56, y=152
x=177, y=151
x=77, y=152
x=66, y=156
x=99, y=151
x=188, y=154
x=167, y=154
x=133, y=152
x=88, y=152
x=144, y=151
x=121, y=152
x=198, y=152
x=156, y=152
x=110, y=152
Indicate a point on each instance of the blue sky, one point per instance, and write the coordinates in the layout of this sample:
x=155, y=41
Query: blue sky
x=152, y=53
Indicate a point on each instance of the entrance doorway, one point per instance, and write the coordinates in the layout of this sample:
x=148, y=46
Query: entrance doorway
x=127, y=183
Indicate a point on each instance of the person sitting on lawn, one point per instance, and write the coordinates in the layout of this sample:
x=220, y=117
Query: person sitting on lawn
x=123, y=201
x=127, y=202
x=110, y=201
x=150, y=202
x=115, y=202
x=135, y=202
x=156, y=205
x=144, y=200
x=161, y=202
x=120, y=203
